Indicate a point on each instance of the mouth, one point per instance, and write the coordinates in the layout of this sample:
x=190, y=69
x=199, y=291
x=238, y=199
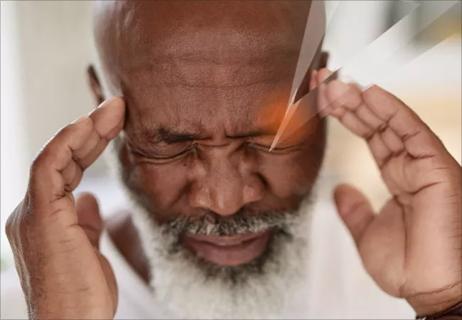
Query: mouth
x=228, y=250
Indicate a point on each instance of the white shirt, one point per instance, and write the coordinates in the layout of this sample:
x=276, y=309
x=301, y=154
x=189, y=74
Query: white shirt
x=338, y=285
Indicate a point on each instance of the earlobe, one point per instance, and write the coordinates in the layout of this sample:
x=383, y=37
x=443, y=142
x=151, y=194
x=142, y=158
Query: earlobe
x=95, y=85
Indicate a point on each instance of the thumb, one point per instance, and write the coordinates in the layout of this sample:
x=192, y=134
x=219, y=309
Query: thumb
x=354, y=209
x=89, y=217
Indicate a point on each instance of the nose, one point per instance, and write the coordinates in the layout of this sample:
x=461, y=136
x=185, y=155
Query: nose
x=224, y=186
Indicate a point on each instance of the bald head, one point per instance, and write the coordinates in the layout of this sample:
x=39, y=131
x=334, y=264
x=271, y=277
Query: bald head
x=204, y=83
x=185, y=40
x=210, y=76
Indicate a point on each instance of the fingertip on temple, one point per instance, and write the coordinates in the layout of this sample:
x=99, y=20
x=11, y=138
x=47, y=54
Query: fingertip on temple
x=343, y=94
x=109, y=117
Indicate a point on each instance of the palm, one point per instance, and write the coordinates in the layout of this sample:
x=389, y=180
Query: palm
x=411, y=230
x=411, y=247
x=87, y=264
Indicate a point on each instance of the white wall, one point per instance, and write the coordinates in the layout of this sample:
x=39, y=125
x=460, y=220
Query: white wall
x=45, y=49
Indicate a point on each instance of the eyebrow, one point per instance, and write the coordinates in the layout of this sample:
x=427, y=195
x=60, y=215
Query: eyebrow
x=252, y=133
x=170, y=136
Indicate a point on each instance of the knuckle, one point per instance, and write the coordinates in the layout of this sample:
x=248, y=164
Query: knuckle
x=49, y=151
x=43, y=158
x=15, y=217
x=65, y=130
x=12, y=222
x=9, y=226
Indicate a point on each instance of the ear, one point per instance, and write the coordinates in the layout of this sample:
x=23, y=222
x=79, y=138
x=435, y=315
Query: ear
x=95, y=85
x=323, y=60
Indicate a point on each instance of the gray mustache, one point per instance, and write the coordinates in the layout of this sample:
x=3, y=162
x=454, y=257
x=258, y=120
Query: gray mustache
x=213, y=225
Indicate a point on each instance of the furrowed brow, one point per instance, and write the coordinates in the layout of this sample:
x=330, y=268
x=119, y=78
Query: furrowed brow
x=252, y=133
x=146, y=137
x=170, y=136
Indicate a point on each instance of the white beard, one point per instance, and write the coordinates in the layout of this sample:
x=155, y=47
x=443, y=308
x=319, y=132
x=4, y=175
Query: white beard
x=182, y=285
x=184, y=288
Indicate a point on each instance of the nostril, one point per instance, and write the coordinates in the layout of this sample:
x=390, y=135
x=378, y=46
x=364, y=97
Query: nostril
x=249, y=194
x=225, y=187
x=253, y=190
x=252, y=195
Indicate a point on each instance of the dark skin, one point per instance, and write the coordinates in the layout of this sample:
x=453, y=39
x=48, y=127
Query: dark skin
x=218, y=116
x=196, y=137
x=216, y=99
x=204, y=86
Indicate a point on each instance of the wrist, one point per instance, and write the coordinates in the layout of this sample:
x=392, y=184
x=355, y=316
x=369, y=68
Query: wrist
x=436, y=301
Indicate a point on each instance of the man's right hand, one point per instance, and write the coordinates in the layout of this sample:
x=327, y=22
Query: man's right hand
x=54, y=238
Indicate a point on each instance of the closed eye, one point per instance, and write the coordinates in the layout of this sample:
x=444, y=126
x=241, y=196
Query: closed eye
x=162, y=152
x=279, y=150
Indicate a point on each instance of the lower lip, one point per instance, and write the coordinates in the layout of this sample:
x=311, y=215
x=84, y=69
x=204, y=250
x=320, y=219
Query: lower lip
x=229, y=255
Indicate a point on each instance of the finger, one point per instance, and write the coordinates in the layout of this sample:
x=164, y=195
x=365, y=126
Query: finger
x=59, y=167
x=108, y=120
x=379, y=149
x=354, y=209
x=348, y=106
x=391, y=140
x=405, y=125
x=55, y=163
x=89, y=218
x=72, y=175
x=313, y=81
x=323, y=105
x=344, y=99
x=367, y=116
x=341, y=94
x=349, y=97
x=323, y=74
x=80, y=154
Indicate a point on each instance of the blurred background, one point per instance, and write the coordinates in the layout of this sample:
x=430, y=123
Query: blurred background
x=46, y=47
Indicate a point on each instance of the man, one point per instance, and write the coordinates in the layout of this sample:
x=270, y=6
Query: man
x=219, y=225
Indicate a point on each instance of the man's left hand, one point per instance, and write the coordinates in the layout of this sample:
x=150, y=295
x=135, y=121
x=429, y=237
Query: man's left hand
x=412, y=248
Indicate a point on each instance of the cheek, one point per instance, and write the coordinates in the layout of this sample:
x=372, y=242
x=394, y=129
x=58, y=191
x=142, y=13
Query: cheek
x=160, y=186
x=289, y=175
x=163, y=185
x=296, y=173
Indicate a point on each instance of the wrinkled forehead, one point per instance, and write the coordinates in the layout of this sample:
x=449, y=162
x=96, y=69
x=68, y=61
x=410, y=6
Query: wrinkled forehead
x=200, y=54
x=130, y=34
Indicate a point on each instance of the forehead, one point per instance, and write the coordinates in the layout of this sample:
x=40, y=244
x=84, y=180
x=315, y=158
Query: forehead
x=202, y=64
